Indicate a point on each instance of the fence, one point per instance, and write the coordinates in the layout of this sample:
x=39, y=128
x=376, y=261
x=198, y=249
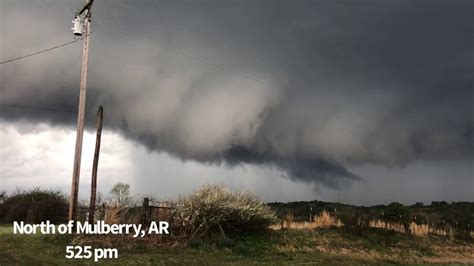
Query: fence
x=324, y=220
x=143, y=214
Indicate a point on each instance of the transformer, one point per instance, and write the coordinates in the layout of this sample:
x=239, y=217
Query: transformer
x=78, y=27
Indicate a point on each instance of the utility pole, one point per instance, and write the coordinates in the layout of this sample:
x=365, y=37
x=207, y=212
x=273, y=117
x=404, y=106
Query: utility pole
x=82, y=23
x=100, y=116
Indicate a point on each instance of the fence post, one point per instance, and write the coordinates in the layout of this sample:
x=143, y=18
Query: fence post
x=146, y=212
x=102, y=212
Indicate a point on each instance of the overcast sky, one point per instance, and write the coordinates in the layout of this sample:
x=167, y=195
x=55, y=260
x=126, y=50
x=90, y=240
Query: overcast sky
x=359, y=101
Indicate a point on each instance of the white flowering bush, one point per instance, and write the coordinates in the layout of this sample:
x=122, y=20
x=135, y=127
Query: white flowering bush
x=214, y=209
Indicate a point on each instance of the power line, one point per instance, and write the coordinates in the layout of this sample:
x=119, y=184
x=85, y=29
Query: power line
x=182, y=28
x=36, y=154
x=40, y=108
x=221, y=66
x=41, y=151
x=39, y=52
x=225, y=67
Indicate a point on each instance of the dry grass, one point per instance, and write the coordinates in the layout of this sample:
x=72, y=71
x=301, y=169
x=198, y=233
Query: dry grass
x=378, y=245
x=416, y=229
x=323, y=220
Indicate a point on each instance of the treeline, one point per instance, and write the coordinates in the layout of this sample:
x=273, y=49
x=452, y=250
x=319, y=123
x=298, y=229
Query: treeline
x=457, y=217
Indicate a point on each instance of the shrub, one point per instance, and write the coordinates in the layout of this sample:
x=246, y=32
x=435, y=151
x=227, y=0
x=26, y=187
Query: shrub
x=214, y=209
x=34, y=206
x=398, y=213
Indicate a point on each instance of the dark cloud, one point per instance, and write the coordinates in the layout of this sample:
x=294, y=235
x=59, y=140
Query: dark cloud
x=307, y=169
x=305, y=86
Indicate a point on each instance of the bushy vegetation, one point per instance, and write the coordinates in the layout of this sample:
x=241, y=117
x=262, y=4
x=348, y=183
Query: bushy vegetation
x=457, y=217
x=215, y=210
x=34, y=206
x=397, y=213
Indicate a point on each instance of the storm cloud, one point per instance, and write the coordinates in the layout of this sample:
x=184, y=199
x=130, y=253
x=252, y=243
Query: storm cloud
x=308, y=87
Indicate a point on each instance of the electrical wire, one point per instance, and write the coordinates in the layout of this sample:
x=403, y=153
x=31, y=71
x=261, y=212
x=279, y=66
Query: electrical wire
x=39, y=108
x=39, y=52
x=176, y=50
x=41, y=151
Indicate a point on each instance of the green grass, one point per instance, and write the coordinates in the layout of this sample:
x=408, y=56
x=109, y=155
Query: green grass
x=6, y=230
x=275, y=248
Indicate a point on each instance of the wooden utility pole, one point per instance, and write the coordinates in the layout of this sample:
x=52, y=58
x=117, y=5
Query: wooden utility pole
x=81, y=113
x=100, y=116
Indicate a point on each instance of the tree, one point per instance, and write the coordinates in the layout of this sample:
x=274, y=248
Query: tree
x=120, y=195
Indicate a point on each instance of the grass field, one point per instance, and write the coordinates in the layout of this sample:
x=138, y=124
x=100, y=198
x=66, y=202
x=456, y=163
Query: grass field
x=327, y=246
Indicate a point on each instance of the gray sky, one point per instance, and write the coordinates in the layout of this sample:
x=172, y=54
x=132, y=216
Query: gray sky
x=357, y=101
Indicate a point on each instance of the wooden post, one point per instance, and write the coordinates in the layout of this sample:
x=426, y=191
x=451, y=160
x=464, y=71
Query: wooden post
x=146, y=212
x=80, y=120
x=102, y=212
x=100, y=116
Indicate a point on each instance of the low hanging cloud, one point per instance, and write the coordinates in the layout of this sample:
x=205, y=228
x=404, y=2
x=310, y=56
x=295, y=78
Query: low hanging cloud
x=308, y=88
